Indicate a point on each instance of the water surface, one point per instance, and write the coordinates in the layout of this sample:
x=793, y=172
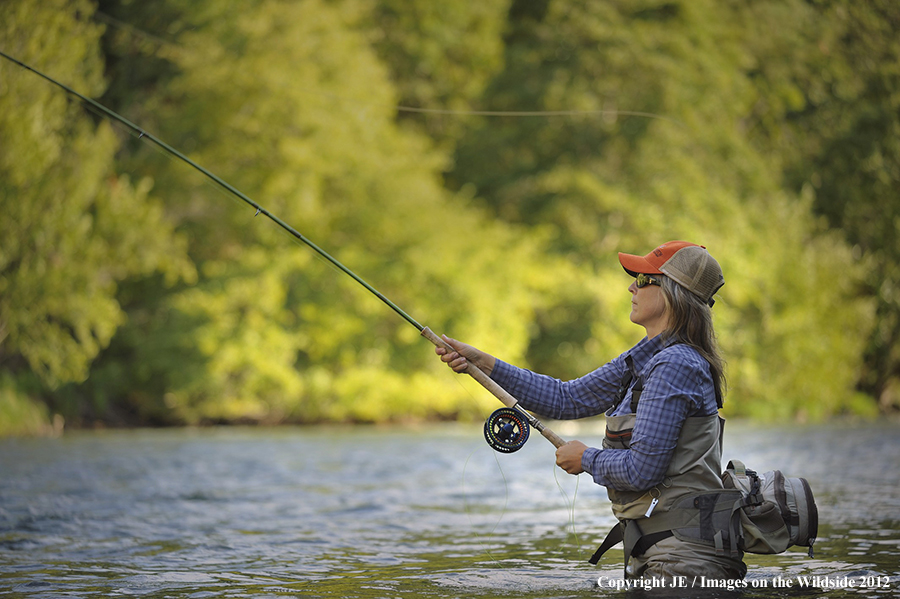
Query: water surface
x=393, y=512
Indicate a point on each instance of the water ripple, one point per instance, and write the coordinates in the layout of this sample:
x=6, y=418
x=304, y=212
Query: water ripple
x=383, y=512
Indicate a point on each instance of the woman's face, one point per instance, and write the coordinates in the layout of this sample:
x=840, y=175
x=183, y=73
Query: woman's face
x=648, y=308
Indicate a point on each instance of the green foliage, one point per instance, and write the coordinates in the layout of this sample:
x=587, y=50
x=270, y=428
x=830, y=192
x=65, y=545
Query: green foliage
x=71, y=226
x=269, y=332
x=21, y=415
x=151, y=299
x=611, y=182
x=852, y=163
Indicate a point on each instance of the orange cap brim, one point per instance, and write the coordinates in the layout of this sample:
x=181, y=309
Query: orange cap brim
x=652, y=262
x=635, y=265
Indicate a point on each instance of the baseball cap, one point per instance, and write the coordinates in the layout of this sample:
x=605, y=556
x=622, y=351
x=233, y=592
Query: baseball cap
x=688, y=264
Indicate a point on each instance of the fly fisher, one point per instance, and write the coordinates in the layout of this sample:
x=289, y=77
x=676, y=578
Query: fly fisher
x=662, y=450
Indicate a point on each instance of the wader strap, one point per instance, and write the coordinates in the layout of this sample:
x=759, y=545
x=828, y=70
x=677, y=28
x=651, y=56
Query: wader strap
x=705, y=505
x=636, y=543
x=626, y=381
x=648, y=541
x=633, y=537
x=616, y=535
x=636, y=394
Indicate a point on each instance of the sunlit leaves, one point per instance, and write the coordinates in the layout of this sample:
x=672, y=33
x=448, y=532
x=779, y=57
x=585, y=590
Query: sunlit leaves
x=71, y=227
x=688, y=170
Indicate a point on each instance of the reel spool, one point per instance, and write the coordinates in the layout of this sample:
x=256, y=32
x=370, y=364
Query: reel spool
x=506, y=430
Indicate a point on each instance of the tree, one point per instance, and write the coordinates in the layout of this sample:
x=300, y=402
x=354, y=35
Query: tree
x=72, y=227
x=829, y=118
x=852, y=163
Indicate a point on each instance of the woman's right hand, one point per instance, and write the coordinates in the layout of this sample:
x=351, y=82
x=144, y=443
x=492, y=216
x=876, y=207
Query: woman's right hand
x=463, y=355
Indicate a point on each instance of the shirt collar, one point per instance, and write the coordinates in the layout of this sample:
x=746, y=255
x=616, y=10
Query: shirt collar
x=641, y=353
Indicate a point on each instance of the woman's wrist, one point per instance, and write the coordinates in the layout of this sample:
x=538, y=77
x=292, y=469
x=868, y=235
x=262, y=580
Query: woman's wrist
x=486, y=363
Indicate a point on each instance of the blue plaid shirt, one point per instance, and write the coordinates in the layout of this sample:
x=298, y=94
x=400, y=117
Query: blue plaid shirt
x=677, y=385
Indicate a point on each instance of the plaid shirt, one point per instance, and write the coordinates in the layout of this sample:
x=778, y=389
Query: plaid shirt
x=677, y=385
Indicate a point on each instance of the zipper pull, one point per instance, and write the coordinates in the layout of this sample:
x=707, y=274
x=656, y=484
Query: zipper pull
x=652, y=505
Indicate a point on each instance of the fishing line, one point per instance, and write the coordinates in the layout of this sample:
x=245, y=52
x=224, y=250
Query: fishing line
x=538, y=113
x=570, y=506
x=139, y=33
x=481, y=541
x=134, y=31
x=482, y=538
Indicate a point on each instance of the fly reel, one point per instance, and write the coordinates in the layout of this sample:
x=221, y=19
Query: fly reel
x=506, y=430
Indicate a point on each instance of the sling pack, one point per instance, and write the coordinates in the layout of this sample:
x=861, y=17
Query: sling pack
x=776, y=512
x=762, y=514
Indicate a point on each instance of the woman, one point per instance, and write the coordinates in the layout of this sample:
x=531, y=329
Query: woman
x=661, y=456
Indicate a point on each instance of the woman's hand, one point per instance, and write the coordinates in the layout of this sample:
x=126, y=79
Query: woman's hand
x=568, y=457
x=463, y=355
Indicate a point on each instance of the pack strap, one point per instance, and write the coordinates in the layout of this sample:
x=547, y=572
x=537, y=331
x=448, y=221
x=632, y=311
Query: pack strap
x=636, y=543
x=735, y=531
x=648, y=541
x=626, y=383
x=738, y=467
x=614, y=537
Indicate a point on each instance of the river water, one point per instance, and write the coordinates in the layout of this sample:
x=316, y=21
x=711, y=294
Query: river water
x=395, y=512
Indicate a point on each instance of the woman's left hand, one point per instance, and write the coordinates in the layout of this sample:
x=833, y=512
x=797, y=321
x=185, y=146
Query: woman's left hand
x=568, y=457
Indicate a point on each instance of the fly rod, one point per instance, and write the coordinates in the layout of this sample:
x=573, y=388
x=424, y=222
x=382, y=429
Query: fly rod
x=506, y=430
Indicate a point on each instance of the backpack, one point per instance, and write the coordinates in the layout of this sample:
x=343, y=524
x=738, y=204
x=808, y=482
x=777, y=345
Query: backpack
x=776, y=512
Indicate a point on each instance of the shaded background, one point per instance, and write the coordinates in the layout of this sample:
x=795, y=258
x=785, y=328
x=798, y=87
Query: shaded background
x=133, y=292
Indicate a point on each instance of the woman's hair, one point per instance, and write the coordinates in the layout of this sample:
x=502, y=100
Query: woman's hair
x=690, y=322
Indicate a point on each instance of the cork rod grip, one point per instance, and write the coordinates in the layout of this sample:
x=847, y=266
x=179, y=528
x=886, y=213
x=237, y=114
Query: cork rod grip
x=496, y=390
x=552, y=437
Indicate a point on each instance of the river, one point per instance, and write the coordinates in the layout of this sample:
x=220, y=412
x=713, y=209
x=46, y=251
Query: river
x=427, y=511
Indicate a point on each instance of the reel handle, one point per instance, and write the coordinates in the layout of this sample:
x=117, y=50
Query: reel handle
x=497, y=391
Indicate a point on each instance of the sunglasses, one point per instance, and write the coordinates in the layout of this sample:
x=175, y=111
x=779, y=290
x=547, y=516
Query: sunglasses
x=642, y=280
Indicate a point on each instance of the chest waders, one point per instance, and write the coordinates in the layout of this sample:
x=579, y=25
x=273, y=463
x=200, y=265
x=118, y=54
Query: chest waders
x=690, y=503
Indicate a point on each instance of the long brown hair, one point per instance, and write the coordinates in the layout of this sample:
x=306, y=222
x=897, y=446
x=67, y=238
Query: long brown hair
x=690, y=322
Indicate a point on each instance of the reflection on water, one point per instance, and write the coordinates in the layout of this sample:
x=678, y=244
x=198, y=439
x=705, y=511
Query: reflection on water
x=388, y=512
